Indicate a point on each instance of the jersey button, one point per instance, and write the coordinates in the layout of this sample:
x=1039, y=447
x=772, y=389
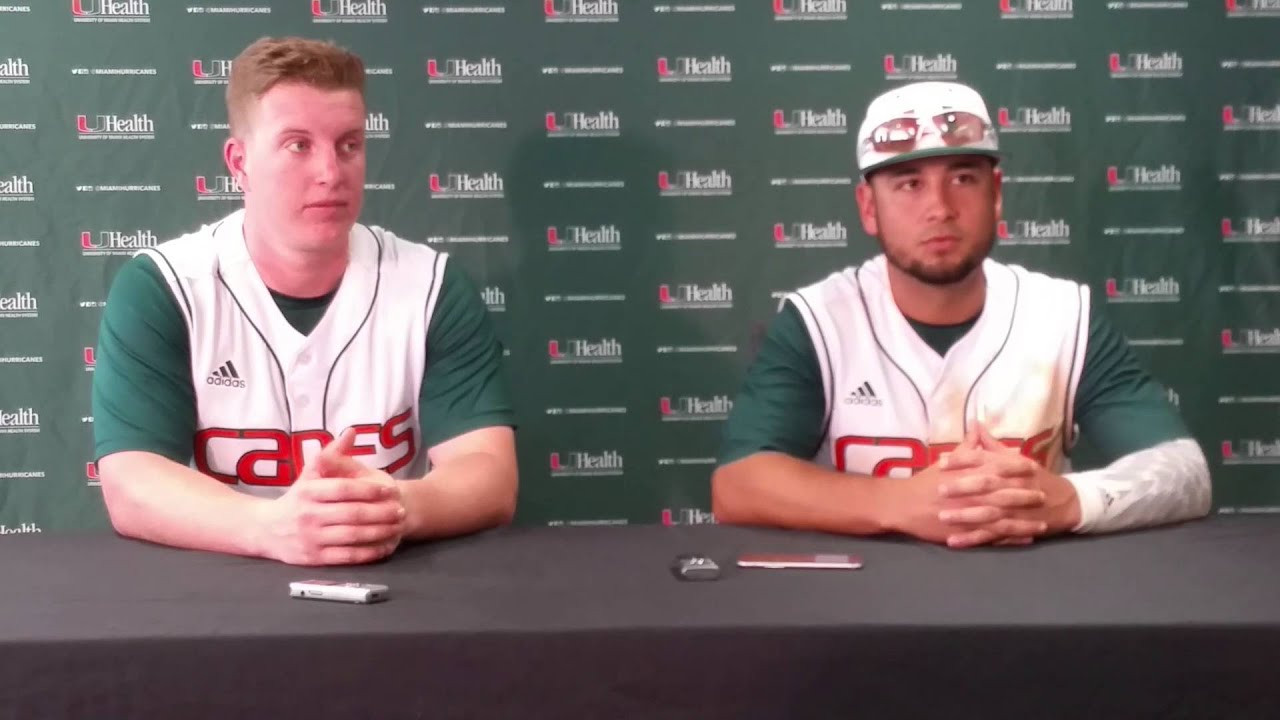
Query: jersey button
x=304, y=358
x=303, y=400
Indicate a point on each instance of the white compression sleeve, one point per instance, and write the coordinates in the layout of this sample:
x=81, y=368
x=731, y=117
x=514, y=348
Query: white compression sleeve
x=1161, y=484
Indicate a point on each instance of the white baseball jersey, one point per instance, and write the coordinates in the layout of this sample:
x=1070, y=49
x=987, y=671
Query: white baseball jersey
x=893, y=405
x=267, y=396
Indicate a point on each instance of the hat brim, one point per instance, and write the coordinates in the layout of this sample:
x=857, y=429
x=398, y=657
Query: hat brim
x=928, y=153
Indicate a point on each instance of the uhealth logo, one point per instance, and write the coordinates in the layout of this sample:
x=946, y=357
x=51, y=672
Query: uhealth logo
x=809, y=121
x=1251, y=229
x=942, y=66
x=810, y=9
x=377, y=127
x=582, y=237
x=1140, y=177
x=810, y=235
x=460, y=71
x=1056, y=231
x=695, y=183
x=22, y=528
x=1056, y=118
x=583, y=124
x=592, y=11
x=1250, y=340
x=21, y=304
x=1251, y=117
x=494, y=299
x=1251, y=452
x=716, y=68
x=690, y=407
x=14, y=71
x=348, y=11
x=691, y=296
x=21, y=421
x=465, y=186
x=115, y=242
x=138, y=126
x=17, y=188
x=1036, y=9
x=687, y=516
x=110, y=11
x=1142, y=290
x=218, y=187
x=211, y=72
x=581, y=464
x=581, y=351
x=1253, y=8
x=1145, y=65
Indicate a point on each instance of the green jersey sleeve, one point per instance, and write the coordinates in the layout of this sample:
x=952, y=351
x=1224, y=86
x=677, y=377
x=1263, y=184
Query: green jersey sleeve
x=143, y=398
x=782, y=403
x=1119, y=407
x=464, y=387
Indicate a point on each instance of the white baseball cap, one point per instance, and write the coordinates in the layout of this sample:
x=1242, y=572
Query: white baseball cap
x=925, y=119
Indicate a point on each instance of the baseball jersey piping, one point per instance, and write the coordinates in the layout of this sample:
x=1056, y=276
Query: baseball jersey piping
x=174, y=273
x=377, y=284
x=279, y=368
x=1013, y=316
x=436, y=276
x=831, y=380
x=1068, y=403
x=857, y=283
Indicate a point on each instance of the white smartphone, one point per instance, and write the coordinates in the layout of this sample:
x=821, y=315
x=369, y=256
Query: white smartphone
x=348, y=592
x=833, y=561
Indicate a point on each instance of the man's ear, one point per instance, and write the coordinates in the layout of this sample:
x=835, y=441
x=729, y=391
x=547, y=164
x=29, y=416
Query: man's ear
x=233, y=154
x=866, y=198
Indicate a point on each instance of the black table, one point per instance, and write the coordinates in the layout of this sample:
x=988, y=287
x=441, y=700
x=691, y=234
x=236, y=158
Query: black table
x=1181, y=622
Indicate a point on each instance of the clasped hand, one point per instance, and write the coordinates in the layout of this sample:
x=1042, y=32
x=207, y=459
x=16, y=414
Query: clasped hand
x=983, y=493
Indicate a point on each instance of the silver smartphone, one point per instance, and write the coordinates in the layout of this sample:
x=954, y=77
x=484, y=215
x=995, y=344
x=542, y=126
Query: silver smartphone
x=348, y=592
x=836, y=561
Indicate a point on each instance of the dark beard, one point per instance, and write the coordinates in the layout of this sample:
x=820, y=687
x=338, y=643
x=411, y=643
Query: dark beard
x=942, y=275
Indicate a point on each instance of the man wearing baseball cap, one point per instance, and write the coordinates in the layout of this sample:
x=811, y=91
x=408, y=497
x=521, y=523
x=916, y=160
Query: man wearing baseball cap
x=934, y=392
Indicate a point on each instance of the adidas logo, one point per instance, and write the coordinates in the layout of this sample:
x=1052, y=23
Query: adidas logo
x=226, y=376
x=863, y=395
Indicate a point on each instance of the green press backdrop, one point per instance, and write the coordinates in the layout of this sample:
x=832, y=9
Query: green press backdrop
x=634, y=183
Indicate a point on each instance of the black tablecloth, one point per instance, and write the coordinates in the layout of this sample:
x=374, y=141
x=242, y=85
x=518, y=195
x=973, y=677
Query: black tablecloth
x=1181, y=622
